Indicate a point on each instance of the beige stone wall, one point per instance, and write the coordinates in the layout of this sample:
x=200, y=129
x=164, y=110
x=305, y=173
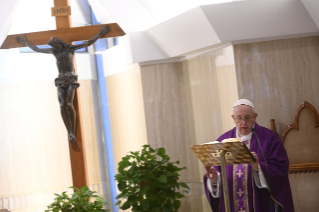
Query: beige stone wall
x=278, y=76
x=127, y=113
x=166, y=120
x=165, y=112
x=210, y=91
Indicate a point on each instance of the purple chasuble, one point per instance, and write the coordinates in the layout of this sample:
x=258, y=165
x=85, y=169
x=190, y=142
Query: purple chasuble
x=240, y=177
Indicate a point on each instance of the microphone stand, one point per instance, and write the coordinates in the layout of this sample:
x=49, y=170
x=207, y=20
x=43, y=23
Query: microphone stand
x=269, y=183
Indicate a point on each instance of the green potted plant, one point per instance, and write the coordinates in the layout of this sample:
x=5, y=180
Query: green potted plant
x=148, y=181
x=83, y=200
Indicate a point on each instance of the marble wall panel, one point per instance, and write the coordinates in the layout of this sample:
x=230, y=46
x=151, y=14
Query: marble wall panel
x=127, y=116
x=278, y=76
x=166, y=121
x=210, y=90
x=165, y=112
x=305, y=185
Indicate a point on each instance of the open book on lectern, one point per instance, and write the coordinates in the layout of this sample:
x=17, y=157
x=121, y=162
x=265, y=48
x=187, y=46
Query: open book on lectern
x=235, y=151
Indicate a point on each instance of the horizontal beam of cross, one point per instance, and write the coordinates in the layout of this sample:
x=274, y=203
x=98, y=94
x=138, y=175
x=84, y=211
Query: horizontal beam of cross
x=67, y=34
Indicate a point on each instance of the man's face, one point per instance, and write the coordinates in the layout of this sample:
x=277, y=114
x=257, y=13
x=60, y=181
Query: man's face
x=244, y=118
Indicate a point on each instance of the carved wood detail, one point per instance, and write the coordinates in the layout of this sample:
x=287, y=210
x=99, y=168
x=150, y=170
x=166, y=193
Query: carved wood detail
x=273, y=125
x=304, y=167
x=62, y=22
x=295, y=125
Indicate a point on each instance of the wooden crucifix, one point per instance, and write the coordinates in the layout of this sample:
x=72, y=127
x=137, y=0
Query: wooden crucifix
x=68, y=34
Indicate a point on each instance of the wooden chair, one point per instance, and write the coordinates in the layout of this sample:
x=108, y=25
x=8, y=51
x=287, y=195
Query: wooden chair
x=301, y=140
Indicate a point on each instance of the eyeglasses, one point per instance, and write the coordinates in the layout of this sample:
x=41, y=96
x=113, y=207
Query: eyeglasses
x=246, y=118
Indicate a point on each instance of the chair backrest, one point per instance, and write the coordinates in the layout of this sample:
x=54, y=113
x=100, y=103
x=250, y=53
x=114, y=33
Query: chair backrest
x=301, y=140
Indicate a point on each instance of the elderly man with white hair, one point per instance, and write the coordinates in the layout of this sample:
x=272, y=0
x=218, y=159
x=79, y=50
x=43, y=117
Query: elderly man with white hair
x=262, y=186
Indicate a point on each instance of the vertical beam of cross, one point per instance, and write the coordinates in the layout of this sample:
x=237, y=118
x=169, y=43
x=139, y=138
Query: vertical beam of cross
x=62, y=21
x=77, y=149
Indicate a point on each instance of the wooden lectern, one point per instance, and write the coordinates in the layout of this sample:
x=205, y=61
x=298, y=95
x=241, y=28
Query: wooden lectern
x=228, y=152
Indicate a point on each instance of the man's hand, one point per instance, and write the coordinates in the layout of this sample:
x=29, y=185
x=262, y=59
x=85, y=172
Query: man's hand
x=21, y=40
x=255, y=165
x=105, y=29
x=211, y=174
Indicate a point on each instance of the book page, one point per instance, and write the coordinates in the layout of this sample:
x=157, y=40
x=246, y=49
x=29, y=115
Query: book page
x=231, y=140
x=212, y=142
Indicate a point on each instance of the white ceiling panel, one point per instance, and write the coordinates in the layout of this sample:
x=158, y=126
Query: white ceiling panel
x=259, y=19
x=163, y=10
x=187, y=32
x=129, y=14
x=313, y=8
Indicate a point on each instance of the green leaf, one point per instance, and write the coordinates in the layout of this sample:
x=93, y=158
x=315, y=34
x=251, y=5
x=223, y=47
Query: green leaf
x=100, y=199
x=162, y=179
x=161, y=151
x=179, y=195
x=171, y=194
x=184, y=185
x=75, y=188
x=151, y=196
x=132, y=199
x=84, y=189
x=75, y=196
x=156, y=208
x=126, y=206
x=121, y=186
x=177, y=204
x=146, y=205
x=143, y=190
x=167, y=208
x=120, y=195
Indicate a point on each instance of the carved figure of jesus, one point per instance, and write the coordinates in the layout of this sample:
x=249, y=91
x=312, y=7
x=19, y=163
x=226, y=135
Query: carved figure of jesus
x=66, y=82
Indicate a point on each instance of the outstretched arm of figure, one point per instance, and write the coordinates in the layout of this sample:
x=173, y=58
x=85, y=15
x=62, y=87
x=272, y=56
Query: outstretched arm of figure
x=24, y=41
x=102, y=32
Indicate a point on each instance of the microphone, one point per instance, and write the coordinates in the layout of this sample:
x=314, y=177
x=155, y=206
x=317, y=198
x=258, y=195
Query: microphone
x=269, y=184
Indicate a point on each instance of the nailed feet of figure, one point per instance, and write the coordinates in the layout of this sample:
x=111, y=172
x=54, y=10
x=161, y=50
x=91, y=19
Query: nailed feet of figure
x=72, y=138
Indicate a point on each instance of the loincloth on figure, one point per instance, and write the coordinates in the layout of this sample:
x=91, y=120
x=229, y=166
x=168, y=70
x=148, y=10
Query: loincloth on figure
x=66, y=81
